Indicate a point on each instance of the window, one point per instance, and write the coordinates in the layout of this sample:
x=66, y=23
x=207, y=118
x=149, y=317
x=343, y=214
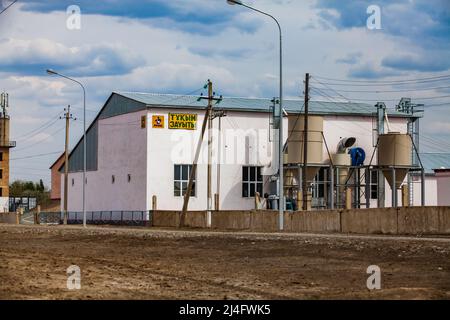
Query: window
x=1, y=156
x=1, y=192
x=113, y=179
x=252, y=181
x=129, y=178
x=374, y=184
x=318, y=190
x=181, y=179
x=1, y=173
x=73, y=182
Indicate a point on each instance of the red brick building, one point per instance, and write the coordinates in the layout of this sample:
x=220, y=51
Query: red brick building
x=55, y=193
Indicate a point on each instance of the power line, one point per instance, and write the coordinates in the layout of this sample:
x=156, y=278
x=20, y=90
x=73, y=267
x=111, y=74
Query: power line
x=36, y=155
x=436, y=78
x=385, y=100
x=8, y=6
x=46, y=125
x=36, y=143
x=373, y=84
x=385, y=91
x=13, y=167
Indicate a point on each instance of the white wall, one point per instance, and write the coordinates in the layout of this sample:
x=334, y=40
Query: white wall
x=431, y=190
x=122, y=150
x=150, y=154
x=4, y=204
x=168, y=147
x=443, y=188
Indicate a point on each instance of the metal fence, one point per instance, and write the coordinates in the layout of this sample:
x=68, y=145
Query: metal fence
x=134, y=218
x=50, y=217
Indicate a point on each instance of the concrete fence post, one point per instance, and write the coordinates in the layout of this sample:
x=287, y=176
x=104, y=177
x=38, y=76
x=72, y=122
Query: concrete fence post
x=348, y=198
x=154, y=203
x=405, y=196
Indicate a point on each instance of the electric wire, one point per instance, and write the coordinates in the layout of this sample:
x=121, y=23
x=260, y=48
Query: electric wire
x=36, y=155
x=435, y=78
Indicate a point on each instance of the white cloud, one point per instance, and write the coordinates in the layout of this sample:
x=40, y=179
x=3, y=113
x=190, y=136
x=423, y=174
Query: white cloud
x=31, y=56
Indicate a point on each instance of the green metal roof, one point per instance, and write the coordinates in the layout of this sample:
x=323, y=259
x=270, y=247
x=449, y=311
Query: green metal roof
x=256, y=104
x=436, y=160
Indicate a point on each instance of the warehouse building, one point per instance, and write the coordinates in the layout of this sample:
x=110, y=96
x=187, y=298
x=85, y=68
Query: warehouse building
x=140, y=148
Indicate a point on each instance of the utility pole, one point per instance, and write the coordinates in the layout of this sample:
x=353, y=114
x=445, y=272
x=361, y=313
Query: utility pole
x=209, y=200
x=218, y=114
x=305, y=145
x=67, y=116
x=207, y=118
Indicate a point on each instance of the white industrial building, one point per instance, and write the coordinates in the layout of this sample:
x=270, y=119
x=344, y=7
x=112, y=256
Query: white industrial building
x=142, y=145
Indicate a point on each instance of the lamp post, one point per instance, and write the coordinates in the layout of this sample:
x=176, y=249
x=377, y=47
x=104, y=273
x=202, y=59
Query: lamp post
x=280, y=135
x=52, y=72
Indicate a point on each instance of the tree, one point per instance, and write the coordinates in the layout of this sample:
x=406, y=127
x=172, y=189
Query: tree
x=41, y=185
x=20, y=188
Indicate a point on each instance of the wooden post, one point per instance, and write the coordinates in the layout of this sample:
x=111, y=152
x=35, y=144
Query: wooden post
x=37, y=215
x=405, y=196
x=187, y=195
x=19, y=215
x=348, y=198
x=154, y=203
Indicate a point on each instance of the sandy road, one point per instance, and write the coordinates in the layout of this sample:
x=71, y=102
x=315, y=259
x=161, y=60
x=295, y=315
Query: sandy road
x=138, y=263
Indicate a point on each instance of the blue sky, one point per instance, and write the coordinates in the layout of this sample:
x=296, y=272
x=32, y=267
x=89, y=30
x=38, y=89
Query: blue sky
x=174, y=46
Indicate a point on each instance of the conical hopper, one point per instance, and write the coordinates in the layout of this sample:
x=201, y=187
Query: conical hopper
x=400, y=175
x=342, y=159
x=295, y=142
x=394, y=150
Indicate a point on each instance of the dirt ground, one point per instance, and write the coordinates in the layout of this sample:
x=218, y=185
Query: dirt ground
x=127, y=263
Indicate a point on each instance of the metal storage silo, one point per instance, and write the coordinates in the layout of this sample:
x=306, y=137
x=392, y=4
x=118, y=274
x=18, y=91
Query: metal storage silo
x=394, y=150
x=295, y=142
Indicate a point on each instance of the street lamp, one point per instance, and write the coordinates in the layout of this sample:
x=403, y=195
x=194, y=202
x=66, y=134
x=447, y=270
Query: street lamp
x=52, y=72
x=280, y=136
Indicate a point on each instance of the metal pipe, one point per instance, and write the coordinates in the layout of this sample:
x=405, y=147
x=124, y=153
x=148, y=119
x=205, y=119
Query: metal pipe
x=394, y=189
x=331, y=200
x=422, y=188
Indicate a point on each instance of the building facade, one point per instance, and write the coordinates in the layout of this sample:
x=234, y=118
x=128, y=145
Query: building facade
x=55, y=192
x=5, y=146
x=142, y=146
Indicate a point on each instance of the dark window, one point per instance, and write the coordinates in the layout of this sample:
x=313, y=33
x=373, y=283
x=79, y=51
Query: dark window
x=1, y=192
x=113, y=179
x=1, y=173
x=181, y=173
x=251, y=181
x=129, y=177
x=73, y=181
x=374, y=184
x=1, y=156
x=318, y=190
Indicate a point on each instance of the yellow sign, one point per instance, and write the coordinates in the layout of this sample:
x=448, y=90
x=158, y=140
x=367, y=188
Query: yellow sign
x=184, y=121
x=158, y=122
